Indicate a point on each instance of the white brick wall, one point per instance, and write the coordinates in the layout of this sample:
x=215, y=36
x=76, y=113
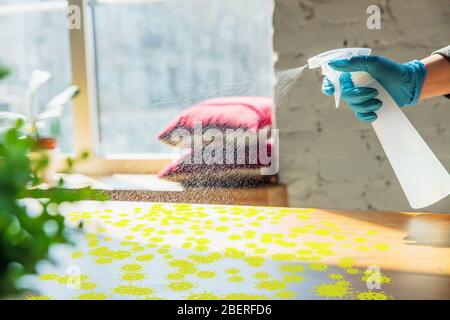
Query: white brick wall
x=328, y=158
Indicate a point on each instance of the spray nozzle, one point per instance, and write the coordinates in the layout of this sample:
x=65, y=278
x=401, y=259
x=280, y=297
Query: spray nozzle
x=322, y=60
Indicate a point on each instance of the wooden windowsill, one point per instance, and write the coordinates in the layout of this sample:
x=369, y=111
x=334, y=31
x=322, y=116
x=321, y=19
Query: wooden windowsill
x=147, y=187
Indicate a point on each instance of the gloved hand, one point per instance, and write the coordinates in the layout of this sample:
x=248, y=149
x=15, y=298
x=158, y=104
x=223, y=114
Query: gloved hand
x=403, y=82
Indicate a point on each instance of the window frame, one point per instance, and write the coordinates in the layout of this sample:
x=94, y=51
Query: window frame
x=85, y=107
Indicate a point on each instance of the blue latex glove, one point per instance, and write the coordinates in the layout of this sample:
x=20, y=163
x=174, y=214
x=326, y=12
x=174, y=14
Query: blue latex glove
x=403, y=82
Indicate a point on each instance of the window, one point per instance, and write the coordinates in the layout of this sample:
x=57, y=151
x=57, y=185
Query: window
x=33, y=36
x=155, y=58
x=138, y=63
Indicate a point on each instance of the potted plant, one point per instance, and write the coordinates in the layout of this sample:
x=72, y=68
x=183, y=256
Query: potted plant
x=45, y=147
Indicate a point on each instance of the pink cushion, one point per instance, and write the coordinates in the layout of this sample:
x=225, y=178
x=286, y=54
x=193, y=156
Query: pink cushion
x=250, y=113
x=185, y=169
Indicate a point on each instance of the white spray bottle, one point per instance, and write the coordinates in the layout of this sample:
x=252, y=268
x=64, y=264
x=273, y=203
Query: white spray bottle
x=423, y=178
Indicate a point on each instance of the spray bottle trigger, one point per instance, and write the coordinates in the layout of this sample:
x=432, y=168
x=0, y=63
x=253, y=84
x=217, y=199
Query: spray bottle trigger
x=334, y=78
x=337, y=93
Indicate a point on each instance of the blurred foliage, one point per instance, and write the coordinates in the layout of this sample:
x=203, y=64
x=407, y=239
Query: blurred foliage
x=70, y=161
x=4, y=71
x=26, y=235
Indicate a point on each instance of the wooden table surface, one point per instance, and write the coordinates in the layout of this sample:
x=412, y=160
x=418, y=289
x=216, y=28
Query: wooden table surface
x=134, y=250
x=147, y=187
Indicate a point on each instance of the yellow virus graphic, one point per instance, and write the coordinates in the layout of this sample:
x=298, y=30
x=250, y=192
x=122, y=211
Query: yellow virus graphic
x=133, y=276
x=262, y=275
x=286, y=294
x=49, y=277
x=285, y=244
x=181, y=286
x=322, y=232
x=63, y=279
x=175, y=276
x=180, y=263
x=156, y=239
x=183, y=266
x=292, y=278
x=145, y=257
x=343, y=283
x=336, y=276
x=375, y=276
x=304, y=252
x=149, y=230
x=186, y=245
x=254, y=261
x=236, y=279
x=249, y=234
x=260, y=250
x=93, y=243
x=291, y=267
x=206, y=259
x=311, y=258
x=325, y=252
x=235, y=237
x=133, y=267
x=234, y=253
x=352, y=271
x=133, y=290
x=122, y=223
x=105, y=252
x=203, y=241
x=128, y=243
x=381, y=246
x=88, y=285
x=272, y=285
x=201, y=248
x=163, y=251
x=77, y=254
x=222, y=228
x=372, y=295
x=104, y=260
x=266, y=238
x=318, y=266
x=233, y=271
x=92, y=296
x=331, y=290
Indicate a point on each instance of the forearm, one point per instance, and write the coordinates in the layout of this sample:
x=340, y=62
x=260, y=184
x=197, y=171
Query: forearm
x=437, y=81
